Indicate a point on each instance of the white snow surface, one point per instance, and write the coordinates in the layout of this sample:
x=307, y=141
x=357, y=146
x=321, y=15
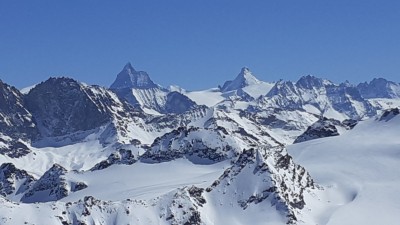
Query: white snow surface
x=208, y=97
x=144, y=181
x=26, y=90
x=258, y=89
x=359, y=172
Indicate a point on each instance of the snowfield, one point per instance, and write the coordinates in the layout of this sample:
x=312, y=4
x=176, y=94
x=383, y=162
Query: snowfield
x=144, y=181
x=359, y=172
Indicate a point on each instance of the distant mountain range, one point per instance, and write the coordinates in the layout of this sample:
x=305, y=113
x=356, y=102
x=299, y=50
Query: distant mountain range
x=140, y=153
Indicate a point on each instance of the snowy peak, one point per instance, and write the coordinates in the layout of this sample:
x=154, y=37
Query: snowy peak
x=283, y=88
x=321, y=97
x=129, y=68
x=130, y=78
x=379, y=88
x=52, y=186
x=136, y=88
x=267, y=176
x=62, y=106
x=310, y=82
x=16, y=122
x=244, y=78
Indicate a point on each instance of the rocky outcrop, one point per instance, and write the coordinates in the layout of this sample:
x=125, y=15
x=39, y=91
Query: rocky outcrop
x=389, y=114
x=14, y=181
x=62, y=106
x=17, y=125
x=271, y=177
x=196, y=144
x=178, y=103
x=325, y=128
x=52, y=186
x=15, y=120
x=122, y=156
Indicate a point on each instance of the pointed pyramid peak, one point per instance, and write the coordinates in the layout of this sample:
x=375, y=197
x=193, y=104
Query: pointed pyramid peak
x=244, y=70
x=243, y=79
x=130, y=78
x=129, y=67
x=246, y=77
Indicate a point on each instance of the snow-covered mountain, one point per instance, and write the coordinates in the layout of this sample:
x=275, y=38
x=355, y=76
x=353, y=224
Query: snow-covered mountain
x=321, y=97
x=138, y=153
x=17, y=126
x=358, y=171
x=243, y=79
x=139, y=90
x=379, y=88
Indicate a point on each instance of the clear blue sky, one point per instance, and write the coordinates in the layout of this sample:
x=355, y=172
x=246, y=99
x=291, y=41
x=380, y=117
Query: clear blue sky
x=199, y=44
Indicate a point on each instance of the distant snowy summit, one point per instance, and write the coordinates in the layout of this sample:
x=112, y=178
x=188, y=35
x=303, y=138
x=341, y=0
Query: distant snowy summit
x=130, y=78
x=139, y=90
x=379, y=88
x=244, y=78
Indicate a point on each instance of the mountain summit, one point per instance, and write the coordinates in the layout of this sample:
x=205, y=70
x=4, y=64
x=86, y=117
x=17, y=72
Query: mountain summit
x=379, y=88
x=130, y=78
x=243, y=79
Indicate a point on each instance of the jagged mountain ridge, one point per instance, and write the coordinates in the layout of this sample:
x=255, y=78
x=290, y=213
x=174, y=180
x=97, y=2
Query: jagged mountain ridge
x=379, y=88
x=165, y=131
x=319, y=96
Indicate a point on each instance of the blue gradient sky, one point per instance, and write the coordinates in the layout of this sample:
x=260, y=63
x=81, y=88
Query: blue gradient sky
x=199, y=44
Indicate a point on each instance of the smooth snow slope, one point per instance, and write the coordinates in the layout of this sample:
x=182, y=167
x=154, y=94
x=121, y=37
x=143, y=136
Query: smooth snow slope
x=360, y=173
x=144, y=181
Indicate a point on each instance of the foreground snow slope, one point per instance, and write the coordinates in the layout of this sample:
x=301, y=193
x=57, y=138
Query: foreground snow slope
x=143, y=181
x=359, y=171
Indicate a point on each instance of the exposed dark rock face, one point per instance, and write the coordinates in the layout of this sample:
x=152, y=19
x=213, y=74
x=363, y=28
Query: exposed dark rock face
x=13, y=148
x=389, y=114
x=16, y=123
x=198, y=145
x=122, y=156
x=324, y=128
x=320, y=129
x=65, y=109
x=62, y=106
x=349, y=123
x=130, y=78
x=178, y=103
x=15, y=120
x=52, y=186
x=13, y=180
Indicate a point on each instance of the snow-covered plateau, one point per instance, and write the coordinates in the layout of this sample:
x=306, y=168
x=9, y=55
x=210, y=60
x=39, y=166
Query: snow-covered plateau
x=245, y=152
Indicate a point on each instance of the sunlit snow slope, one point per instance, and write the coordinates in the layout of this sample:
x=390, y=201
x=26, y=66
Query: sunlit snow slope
x=359, y=171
